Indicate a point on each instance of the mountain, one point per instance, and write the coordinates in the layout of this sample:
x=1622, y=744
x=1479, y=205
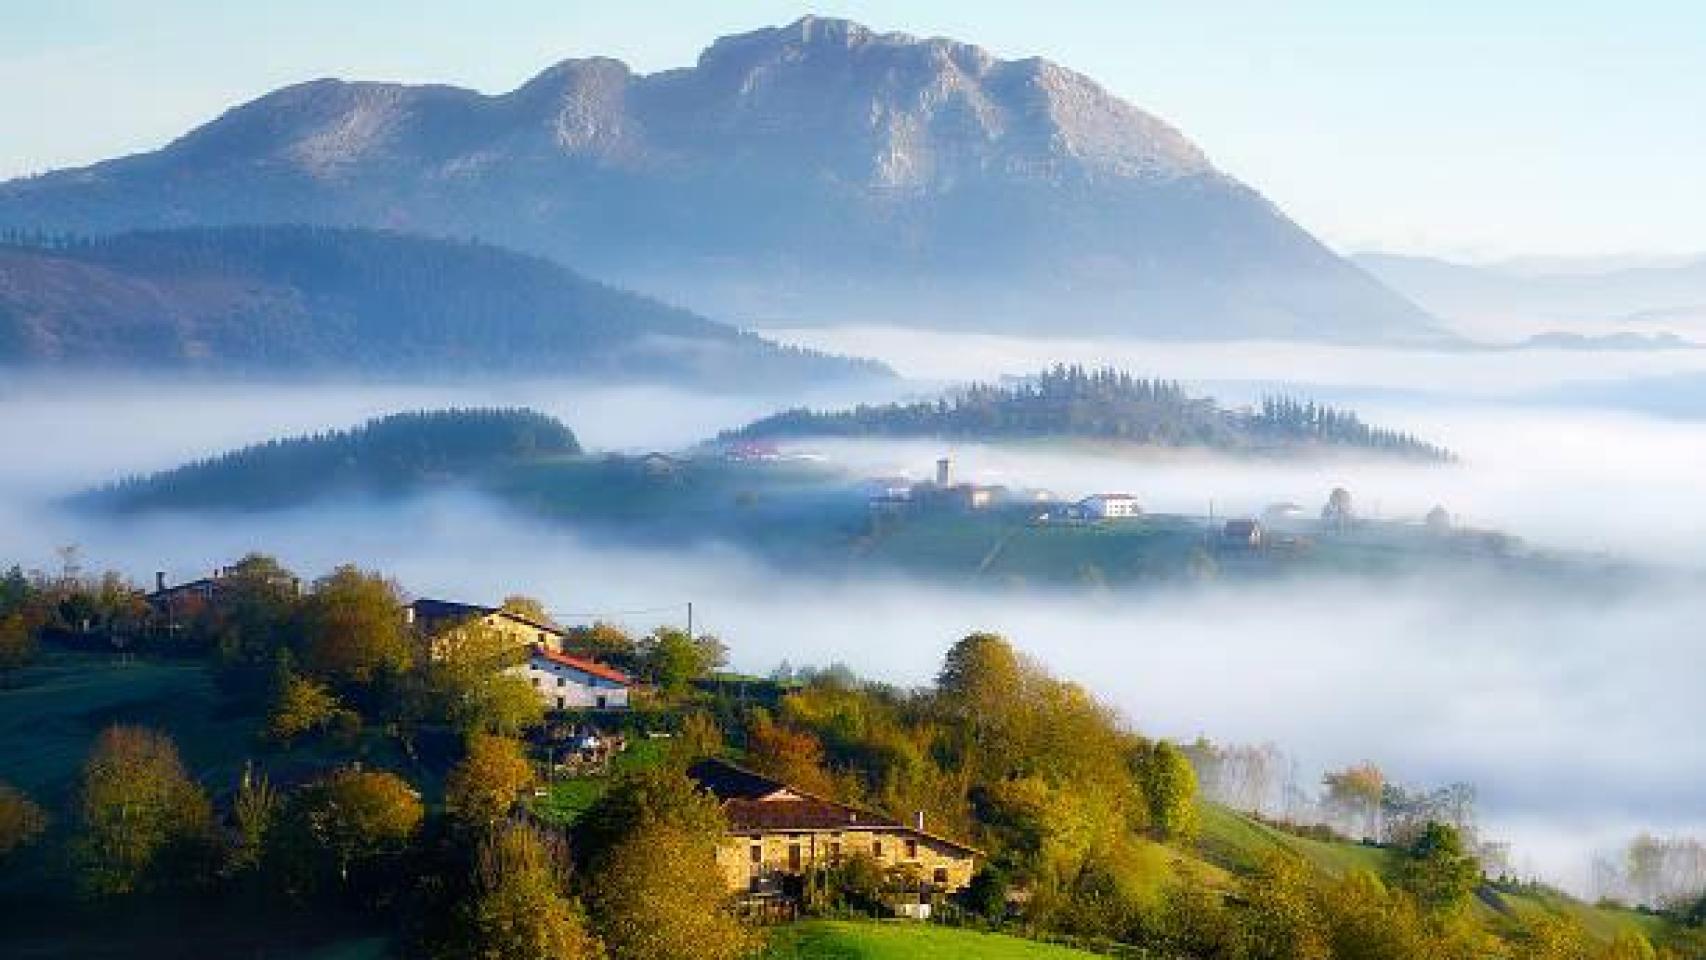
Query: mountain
x=1108, y=406
x=1541, y=295
x=291, y=299
x=813, y=173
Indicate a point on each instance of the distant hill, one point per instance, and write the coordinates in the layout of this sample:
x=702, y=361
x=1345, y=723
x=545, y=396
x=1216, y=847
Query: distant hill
x=1107, y=404
x=1539, y=296
x=293, y=299
x=393, y=454
x=819, y=172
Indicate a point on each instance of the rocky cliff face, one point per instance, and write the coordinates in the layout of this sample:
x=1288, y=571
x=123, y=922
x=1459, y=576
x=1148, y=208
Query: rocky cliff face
x=817, y=172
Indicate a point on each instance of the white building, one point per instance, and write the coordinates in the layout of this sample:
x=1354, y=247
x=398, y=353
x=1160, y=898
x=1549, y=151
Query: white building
x=1110, y=506
x=573, y=683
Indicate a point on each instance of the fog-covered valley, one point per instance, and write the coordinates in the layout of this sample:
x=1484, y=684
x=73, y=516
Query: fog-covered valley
x=1573, y=711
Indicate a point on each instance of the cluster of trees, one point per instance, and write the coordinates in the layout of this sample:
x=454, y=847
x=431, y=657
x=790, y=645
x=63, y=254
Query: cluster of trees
x=473, y=875
x=1103, y=404
x=467, y=879
x=69, y=603
x=1287, y=418
x=1658, y=872
x=387, y=454
x=1086, y=818
x=291, y=297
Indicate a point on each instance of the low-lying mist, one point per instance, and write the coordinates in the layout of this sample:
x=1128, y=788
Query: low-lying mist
x=1575, y=715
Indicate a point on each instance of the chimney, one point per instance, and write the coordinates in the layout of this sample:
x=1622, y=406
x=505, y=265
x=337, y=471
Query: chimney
x=944, y=471
x=918, y=821
x=159, y=581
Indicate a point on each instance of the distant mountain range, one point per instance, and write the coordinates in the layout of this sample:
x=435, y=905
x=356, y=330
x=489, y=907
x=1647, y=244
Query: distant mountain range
x=813, y=173
x=1528, y=297
x=294, y=300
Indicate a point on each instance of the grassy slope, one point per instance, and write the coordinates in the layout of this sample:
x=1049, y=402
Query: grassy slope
x=1233, y=841
x=843, y=940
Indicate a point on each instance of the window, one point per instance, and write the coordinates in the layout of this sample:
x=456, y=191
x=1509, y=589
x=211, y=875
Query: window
x=912, y=849
x=559, y=681
x=757, y=853
x=835, y=850
x=559, y=703
x=877, y=849
x=793, y=858
x=941, y=875
x=603, y=701
x=536, y=681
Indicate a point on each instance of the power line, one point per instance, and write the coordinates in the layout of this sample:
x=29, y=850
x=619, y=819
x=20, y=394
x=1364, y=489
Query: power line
x=593, y=615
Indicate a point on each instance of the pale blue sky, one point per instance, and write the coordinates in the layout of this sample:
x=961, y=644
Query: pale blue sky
x=1474, y=128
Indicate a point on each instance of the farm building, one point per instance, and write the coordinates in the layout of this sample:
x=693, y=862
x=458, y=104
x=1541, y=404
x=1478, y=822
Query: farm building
x=576, y=683
x=1246, y=534
x=434, y=621
x=1110, y=506
x=778, y=834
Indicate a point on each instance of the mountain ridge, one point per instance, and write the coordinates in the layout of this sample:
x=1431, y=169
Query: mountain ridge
x=818, y=172
x=295, y=300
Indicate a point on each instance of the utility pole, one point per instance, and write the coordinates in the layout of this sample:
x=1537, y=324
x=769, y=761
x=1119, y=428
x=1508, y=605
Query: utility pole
x=689, y=619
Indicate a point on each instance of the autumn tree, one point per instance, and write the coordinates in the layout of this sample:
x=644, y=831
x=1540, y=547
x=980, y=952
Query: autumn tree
x=1170, y=790
x=1356, y=792
x=483, y=787
x=301, y=705
x=473, y=678
x=1366, y=921
x=17, y=643
x=673, y=659
x=1438, y=871
x=143, y=821
x=21, y=820
x=981, y=688
x=1280, y=916
x=520, y=906
x=792, y=756
x=347, y=826
x=637, y=798
x=353, y=629
x=659, y=895
x=251, y=618
x=527, y=607
x=605, y=642
x=700, y=737
x=253, y=812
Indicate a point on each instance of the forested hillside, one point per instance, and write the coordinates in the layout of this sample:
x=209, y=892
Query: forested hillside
x=1105, y=404
x=294, y=299
x=282, y=765
x=391, y=454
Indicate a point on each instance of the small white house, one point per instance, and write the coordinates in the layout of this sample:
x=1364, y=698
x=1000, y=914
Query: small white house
x=1110, y=506
x=573, y=683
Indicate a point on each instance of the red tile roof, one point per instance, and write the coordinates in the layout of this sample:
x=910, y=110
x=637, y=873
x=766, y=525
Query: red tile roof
x=589, y=667
x=749, y=802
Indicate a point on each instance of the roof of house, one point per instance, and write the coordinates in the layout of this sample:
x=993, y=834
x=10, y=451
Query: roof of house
x=440, y=611
x=1110, y=496
x=589, y=667
x=1242, y=528
x=754, y=803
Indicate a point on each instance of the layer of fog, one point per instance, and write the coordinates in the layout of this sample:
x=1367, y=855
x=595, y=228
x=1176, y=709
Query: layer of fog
x=1574, y=715
x=69, y=433
x=1579, y=480
x=1247, y=367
